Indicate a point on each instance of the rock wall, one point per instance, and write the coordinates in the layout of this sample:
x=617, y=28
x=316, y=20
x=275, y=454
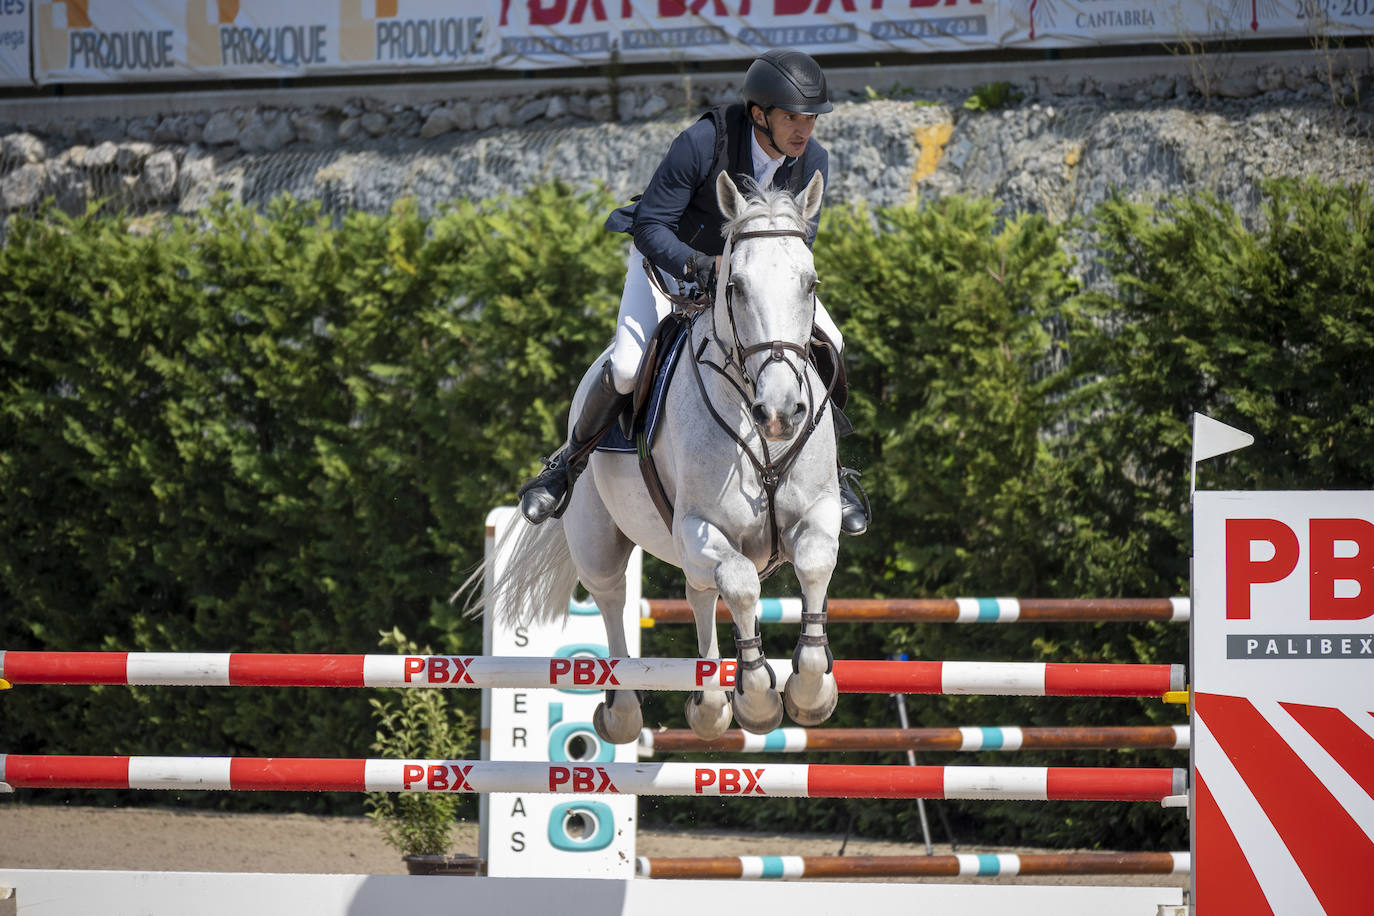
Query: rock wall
x=1062, y=144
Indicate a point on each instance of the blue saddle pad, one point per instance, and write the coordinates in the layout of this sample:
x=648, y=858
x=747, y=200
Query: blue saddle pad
x=615, y=440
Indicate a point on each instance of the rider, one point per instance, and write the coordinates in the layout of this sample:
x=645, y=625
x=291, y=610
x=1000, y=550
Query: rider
x=677, y=223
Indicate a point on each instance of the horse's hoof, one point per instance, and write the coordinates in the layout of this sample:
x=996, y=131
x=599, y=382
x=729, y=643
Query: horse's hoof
x=623, y=730
x=760, y=716
x=705, y=726
x=818, y=710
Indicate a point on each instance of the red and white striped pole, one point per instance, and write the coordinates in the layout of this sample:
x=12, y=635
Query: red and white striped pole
x=483, y=776
x=239, y=669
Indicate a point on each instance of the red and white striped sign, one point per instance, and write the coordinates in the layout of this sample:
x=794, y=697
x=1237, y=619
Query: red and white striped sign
x=482, y=776
x=1283, y=726
x=237, y=669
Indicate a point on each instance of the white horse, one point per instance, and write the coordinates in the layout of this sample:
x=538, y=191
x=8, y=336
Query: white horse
x=746, y=455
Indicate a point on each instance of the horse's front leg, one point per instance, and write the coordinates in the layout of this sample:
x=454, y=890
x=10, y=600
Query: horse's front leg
x=708, y=711
x=810, y=694
x=711, y=563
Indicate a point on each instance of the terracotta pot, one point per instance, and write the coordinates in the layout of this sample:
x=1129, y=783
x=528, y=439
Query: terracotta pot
x=417, y=864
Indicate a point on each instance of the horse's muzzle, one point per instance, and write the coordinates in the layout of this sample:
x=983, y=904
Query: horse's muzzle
x=778, y=426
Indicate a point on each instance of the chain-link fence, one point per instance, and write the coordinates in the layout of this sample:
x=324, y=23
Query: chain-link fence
x=1056, y=146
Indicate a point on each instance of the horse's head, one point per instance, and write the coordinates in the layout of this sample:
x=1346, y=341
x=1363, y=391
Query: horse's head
x=765, y=314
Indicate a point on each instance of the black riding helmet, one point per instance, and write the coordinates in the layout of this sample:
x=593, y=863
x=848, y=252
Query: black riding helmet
x=786, y=79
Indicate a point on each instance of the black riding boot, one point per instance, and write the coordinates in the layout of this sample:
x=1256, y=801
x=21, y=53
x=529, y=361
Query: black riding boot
x=547, y=495
x=854, y=510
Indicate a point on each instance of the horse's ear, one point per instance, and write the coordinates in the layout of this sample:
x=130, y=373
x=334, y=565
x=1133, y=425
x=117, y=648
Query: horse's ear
x=729, y=198
x=809, y=200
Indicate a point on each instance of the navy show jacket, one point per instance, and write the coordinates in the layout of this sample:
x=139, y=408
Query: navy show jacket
x=677, y=213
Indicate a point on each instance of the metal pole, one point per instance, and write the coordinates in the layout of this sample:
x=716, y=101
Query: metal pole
x=911, y=759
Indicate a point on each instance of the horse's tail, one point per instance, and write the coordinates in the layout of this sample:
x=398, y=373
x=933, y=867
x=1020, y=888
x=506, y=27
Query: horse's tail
x=528, y=578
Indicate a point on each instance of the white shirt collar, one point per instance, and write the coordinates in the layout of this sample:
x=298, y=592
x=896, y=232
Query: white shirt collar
x=764, y=165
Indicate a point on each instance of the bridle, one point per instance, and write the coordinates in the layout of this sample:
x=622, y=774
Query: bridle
x=777, y=350
x=770, y=470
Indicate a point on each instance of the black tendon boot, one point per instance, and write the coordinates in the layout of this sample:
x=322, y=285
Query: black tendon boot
x=547, y=495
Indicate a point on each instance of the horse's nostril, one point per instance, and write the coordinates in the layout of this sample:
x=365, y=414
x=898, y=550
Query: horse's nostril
x=760, y=414
x=799, y=412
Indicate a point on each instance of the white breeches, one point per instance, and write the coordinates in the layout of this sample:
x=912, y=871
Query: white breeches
x=642, y=307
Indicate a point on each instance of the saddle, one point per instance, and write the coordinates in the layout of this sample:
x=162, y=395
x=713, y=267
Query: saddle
x=641, y=415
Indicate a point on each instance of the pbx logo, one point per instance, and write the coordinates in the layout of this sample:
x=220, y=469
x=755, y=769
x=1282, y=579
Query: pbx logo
x=583, y=672
x=580, y=779
x=729, y=781
x=574, y=12
x=437, y=669
x=708, y=669
x=442, y=777
x=1340, y=564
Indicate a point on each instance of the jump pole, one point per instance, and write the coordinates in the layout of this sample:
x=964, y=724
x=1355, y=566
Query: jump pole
x=688, y=779
x=975, y=738
x=239, y=669
x=984, y=865
x=654, y=611
x=162, y=893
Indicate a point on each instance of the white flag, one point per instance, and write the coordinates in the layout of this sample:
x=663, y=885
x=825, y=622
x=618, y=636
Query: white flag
x=1212, y=438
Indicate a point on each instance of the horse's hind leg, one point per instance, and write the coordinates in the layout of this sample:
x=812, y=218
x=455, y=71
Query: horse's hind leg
x=601, y=553
x=618, y=719
x=810, y=694
x=708, y=711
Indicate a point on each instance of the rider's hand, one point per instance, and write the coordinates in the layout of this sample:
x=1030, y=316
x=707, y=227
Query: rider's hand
x=701, y=270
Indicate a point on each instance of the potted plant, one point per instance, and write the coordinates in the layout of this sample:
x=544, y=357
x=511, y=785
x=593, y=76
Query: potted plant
x=420, y=724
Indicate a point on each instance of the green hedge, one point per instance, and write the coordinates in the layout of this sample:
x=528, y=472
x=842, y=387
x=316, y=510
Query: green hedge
x=268, y=432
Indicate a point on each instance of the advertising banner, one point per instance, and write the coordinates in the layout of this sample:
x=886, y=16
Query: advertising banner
x=532, y=834
x=15, y=18
x=1283, y=718
x=1059, y=23
x=1330, y=18
x=1183, y=24
x=168, y=40
x=538, y=33
x=113, y=40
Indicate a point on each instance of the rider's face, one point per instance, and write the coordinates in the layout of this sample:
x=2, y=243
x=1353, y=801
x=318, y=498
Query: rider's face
x=791, y=131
